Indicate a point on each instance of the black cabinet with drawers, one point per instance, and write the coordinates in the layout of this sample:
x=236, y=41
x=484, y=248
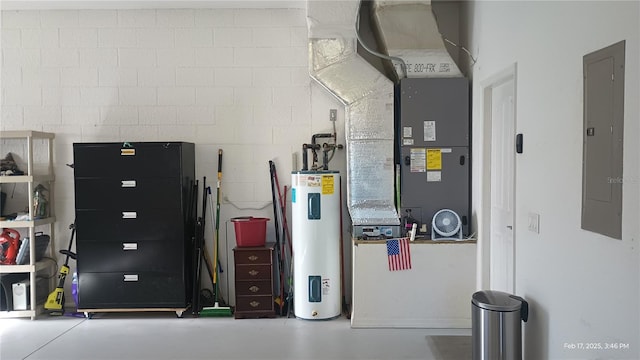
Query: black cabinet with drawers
x=133, y=226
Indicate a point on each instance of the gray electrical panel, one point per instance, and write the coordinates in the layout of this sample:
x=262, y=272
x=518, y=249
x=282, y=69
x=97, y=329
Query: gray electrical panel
x=603, y=136
x=434, y=148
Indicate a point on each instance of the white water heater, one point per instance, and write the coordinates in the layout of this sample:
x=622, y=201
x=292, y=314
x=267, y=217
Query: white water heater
x=315, y=198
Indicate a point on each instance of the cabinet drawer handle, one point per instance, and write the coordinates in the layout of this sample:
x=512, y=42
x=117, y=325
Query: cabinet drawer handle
x=254, y=304
x=130, y=277
x=129, y=246
x=254, y=289
x=253, y=272
x=253, y=258
x=128, y=183
x=129, y=214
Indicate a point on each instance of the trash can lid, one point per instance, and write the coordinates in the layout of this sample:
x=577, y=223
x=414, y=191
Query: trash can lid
x=496, y=301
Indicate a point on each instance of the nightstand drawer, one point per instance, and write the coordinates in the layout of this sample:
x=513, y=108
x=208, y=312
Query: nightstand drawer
x=262, y=287
x=254, y=303
x=253, y=257
x=253, y=272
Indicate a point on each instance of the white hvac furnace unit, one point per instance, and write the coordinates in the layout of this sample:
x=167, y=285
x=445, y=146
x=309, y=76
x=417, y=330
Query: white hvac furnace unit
x=315, y=197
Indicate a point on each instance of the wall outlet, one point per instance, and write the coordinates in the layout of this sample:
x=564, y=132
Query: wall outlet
x=333, y=114
x=534, y=223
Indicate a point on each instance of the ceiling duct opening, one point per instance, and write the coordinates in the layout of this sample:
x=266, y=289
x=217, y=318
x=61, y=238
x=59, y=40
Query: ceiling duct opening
x=408, y=30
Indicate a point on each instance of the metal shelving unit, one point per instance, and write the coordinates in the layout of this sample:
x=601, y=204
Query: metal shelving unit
x=31, y=179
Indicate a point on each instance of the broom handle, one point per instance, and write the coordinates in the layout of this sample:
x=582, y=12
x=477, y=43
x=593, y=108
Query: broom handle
x=217, y=236
x=272, y=169
x=284, y=217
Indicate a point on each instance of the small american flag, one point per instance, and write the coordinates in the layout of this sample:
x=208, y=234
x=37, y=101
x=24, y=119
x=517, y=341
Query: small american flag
x=399, y=256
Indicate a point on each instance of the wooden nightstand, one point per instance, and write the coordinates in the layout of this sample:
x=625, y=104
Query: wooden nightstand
x=254, y=281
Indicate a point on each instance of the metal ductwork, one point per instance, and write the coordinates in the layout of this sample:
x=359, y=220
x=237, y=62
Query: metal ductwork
x=409, y=30
x=368, y=97
x=404, y=29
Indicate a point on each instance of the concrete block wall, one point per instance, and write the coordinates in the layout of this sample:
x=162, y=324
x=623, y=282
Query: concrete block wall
x=235, y=79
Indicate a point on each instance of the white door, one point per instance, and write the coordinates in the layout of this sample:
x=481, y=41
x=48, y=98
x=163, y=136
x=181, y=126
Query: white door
x=501, y=247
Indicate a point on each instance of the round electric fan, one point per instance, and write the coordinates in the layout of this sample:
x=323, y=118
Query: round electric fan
x=446, y=225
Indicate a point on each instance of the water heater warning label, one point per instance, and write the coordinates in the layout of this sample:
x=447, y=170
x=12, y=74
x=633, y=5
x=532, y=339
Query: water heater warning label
x=313, y=181
x=326, y=286
x=327, y=185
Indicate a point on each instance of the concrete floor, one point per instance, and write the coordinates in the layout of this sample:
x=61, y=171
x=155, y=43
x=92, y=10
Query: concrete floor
x=163, y=336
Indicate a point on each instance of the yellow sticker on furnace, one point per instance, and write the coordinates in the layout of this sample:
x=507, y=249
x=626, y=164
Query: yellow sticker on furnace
x=434, y=159
x=327, y=184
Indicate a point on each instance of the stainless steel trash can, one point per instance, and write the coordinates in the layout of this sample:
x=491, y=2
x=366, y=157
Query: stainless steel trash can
x=496, y=325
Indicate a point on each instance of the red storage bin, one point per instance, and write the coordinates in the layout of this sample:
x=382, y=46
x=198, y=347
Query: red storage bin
x=250, y=231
